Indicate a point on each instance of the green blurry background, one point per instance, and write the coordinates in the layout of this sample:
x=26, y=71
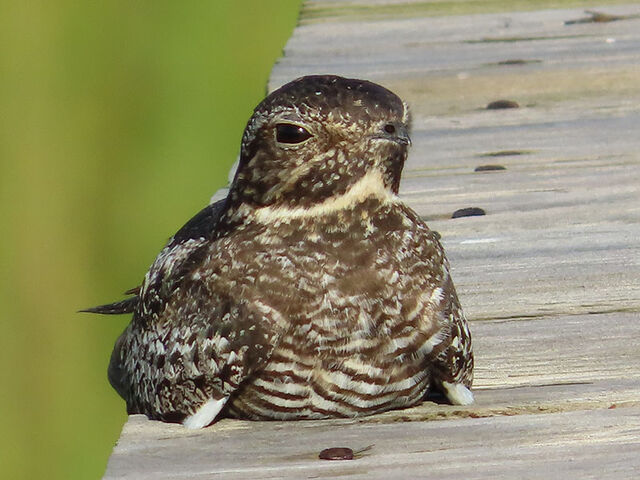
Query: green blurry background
x=118, y=121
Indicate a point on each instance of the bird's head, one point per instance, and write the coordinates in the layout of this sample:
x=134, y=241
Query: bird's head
x=316, y=137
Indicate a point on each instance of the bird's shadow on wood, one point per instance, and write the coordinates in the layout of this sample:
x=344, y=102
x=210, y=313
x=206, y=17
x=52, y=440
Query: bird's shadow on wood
x=437, y=397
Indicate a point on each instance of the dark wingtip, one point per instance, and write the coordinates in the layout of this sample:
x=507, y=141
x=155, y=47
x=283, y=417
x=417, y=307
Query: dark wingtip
x=116, y=308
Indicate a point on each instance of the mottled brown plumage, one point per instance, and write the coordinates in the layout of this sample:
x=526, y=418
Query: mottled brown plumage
x=312, y=291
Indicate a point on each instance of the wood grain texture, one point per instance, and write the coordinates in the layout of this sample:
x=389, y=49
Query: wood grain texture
x=550, y=276
x=599, y=444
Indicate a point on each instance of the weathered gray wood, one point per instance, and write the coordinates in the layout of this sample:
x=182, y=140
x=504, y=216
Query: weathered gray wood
x=550, y=277
x=602, y=444
x=564, y=217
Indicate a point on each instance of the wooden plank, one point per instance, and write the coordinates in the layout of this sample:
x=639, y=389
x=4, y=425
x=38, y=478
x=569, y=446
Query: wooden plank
x=561, y=366
x=550, y=276
x=426, y=53
x=562, y=220
x=601, y=444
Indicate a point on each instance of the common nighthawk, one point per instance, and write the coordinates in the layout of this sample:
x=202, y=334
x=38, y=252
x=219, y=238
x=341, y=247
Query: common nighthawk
x=312, y=290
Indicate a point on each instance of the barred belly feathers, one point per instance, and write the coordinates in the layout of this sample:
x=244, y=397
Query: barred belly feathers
x=312, y=290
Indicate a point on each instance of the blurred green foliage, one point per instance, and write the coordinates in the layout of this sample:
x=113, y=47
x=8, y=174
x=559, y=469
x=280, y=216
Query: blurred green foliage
x=118, y=120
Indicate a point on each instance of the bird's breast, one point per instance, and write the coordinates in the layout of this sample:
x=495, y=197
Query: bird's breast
x=363, y=312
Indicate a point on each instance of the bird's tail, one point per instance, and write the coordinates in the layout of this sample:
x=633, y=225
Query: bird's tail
x=116, y=308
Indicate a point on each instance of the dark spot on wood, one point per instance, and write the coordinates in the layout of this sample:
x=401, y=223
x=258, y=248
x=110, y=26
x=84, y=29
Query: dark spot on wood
x=599, y=17
x=489, y=168
x=518, y=61
x=468, y=212
x=502, y=104
x=336, y=453
x=520, y=39
x=504, y=153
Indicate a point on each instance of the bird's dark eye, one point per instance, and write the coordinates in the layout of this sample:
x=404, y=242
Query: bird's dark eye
x=291, y=134
x=390, y=128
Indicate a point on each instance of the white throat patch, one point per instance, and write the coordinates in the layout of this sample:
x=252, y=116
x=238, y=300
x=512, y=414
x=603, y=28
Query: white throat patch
x=371, y=185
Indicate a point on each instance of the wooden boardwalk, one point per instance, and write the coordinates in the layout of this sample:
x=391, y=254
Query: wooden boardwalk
x=549, y=277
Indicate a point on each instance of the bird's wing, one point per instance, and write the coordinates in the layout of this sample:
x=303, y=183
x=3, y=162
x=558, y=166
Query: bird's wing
x=200, y=226
x=451, y=352
x=452, y=365
x=213, y=343
x=236, y=340
x=174, y=260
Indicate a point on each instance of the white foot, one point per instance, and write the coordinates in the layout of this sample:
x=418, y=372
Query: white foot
x=206, y=413
x=457, y=393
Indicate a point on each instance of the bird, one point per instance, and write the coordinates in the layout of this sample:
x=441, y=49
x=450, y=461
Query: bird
x=312, y=290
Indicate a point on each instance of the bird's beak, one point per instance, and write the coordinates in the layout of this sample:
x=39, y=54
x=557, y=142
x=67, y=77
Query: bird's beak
x=402, y=135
